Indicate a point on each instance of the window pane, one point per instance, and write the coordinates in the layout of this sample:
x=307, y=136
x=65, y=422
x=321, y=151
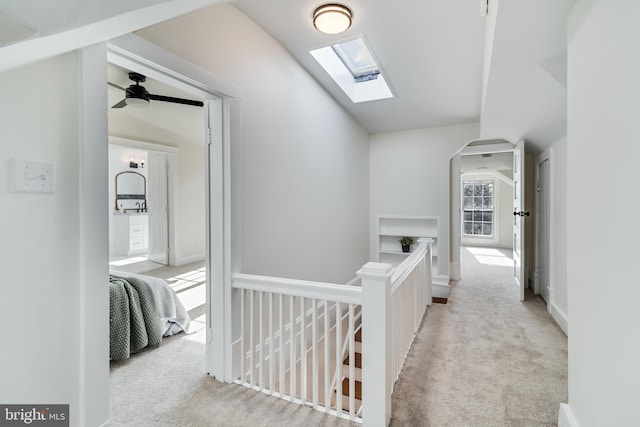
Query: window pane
x=477, y=215
x=468, y=189
x=468, y=229
x=477, y=228
x=487, y=216
x=477, y=202
x=477, y=190
x=468, y=215
x=488, y=189
x=468, y=202
x=487, y=202
x=487, y=229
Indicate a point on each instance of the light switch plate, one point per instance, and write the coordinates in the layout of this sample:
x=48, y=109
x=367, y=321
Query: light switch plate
x=33, y=176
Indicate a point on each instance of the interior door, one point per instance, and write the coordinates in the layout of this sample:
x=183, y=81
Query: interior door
x=518, y=218
x=158, y=206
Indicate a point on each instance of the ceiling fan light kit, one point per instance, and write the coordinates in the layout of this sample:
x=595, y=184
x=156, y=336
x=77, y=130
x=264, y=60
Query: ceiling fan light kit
x=332, y=18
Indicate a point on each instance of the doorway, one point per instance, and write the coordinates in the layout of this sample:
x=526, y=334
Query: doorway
x=470, y=158
x=133, y=53
x=140, y=224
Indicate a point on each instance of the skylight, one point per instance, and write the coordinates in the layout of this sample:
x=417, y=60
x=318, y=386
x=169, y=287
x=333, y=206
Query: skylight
x=353, y=68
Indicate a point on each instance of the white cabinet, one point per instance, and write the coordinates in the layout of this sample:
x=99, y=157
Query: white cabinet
x=130, y=234
x=392, y=228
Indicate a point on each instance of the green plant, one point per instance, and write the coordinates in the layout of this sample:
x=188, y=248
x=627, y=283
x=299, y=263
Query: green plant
x=406, y=241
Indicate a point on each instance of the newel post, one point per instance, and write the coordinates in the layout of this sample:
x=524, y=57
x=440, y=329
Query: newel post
x=376, y=343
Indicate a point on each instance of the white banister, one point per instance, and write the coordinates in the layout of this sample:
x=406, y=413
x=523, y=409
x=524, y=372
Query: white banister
x=298, y=338
x=376, y=326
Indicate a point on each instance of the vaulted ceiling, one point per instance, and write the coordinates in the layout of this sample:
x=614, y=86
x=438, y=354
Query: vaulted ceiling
x=446, y=64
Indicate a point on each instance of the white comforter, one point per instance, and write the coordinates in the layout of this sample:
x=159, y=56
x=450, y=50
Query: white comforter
x=173, y=316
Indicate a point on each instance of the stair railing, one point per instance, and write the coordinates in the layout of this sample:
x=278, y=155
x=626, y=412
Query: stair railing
x=291, y=339
x=393, y=304
x=291, y=335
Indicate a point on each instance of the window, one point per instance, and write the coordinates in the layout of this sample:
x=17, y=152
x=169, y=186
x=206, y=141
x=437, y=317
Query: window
x=478, y=202
x=351, y=64
x=356, y=57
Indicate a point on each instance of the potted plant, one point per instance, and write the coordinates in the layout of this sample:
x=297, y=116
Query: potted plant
x=406, y=242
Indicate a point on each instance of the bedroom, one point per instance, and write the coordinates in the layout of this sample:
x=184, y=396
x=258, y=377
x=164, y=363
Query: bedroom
x=156, y=203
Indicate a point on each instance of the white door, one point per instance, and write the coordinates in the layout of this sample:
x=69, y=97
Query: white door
x=542, y=218
x=519, y=216
x=158, y=206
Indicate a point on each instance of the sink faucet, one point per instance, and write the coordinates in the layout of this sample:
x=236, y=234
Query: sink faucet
x=138, y=205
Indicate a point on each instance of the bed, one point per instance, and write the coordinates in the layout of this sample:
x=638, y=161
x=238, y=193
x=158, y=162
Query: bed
x=142, y=310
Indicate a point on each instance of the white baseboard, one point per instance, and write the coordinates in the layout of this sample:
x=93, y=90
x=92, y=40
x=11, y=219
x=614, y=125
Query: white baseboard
x=188, y=260
x=565, y=417
x=560, y=318
x=439, y=290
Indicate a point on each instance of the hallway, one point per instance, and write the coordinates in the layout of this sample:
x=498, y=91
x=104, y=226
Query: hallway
x=484, y=358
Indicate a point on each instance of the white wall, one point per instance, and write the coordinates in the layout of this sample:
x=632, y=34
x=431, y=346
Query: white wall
x=300, y=163
x=409, y=175
x=46, y=270
x=602, y=239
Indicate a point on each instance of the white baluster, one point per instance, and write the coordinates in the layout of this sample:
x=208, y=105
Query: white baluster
x=281, y=344
x=272, y=339
x=314, y=352
x=339, y=358
x=327, y=365
x=303, y=353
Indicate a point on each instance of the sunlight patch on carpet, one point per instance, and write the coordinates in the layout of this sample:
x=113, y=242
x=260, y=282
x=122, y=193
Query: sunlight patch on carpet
x=490, y=256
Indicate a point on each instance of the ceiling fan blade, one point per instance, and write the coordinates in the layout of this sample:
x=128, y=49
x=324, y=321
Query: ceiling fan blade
x=115, y=85
x=120, y=104
x=176, y=100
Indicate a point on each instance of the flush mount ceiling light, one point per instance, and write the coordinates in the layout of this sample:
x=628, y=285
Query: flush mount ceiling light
x=332, y=18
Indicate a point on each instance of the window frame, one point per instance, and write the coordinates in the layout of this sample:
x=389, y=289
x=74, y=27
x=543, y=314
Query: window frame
x=473, y=210
x=471, y=239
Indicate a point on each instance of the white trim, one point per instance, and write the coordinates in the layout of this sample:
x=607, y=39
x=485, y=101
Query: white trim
x=492, y=146
x=137, y=54
x=561, y=318
x=134, y=52
x=93, y=381
x=188, y=260
x=566, y=417
x=440, y=290
x=546, y=155
x=25, y=52
x=299, y=288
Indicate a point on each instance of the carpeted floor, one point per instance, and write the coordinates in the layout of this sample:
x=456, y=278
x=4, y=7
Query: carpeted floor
x=483, y=359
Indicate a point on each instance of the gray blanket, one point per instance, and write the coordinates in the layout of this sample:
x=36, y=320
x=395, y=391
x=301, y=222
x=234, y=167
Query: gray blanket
x=134, y=325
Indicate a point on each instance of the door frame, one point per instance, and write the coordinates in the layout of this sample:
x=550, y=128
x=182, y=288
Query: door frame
x=455, y=229
x=492, y=146
x=170, y=153
x=546, y=155
x=136, y=54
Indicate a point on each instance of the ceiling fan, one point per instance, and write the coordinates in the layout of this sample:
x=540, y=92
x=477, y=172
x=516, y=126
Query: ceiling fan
x=136, y=94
